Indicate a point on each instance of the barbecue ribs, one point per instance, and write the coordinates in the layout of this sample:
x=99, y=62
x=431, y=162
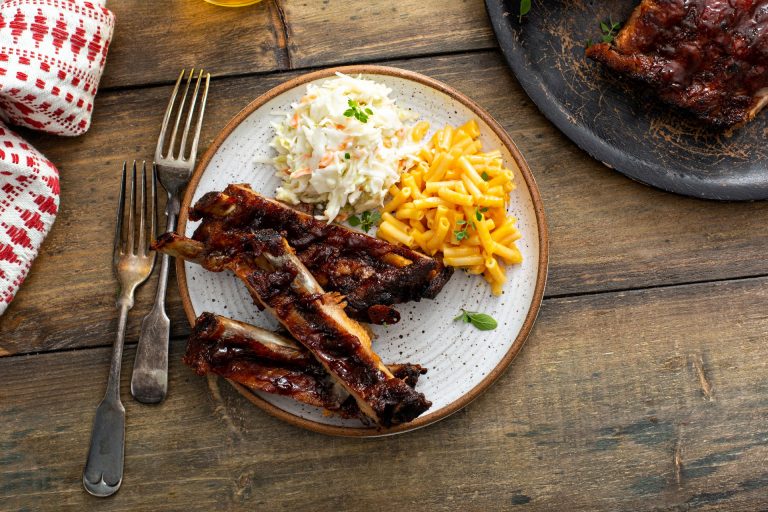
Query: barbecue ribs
x=279, y=281
x=372, y=274
x=709, y=57
x=264, y=361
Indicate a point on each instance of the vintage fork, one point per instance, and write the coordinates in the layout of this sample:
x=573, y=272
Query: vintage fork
x=149, y=382
x=132, y=261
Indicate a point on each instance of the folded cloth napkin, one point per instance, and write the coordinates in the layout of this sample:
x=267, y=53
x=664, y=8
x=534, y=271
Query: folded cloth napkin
x=52, y=54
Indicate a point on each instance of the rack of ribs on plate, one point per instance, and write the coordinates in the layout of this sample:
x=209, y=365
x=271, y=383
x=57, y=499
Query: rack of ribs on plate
x=239, y=232
x=709, y=57
x=371, y=274
x=264, y=361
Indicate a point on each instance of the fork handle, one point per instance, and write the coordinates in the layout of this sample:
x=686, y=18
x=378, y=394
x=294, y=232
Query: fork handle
x=149, y=380
x=103, y=472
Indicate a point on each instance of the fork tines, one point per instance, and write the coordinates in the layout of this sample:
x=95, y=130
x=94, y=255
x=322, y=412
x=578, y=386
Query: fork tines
x=181, y=152
x=126, y=236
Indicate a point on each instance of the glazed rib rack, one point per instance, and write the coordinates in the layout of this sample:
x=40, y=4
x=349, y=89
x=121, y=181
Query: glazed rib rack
x=239, y=232
x=264, y=361
x=280, y=283
x=370, y=273
x=708, y=57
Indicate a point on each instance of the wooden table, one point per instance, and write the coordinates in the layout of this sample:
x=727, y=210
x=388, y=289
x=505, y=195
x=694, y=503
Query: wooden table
x=642, y=387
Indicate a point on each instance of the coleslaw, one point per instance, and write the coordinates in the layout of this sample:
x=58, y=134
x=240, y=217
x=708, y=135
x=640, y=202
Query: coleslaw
x=342, y=146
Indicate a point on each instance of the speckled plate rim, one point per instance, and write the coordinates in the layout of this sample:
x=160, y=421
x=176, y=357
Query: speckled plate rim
x=541, y=275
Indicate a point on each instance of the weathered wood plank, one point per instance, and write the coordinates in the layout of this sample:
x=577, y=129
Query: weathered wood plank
x=153, y=41
x=607, y=232
x=149, y=47
x=336, y=31
x=619, y=401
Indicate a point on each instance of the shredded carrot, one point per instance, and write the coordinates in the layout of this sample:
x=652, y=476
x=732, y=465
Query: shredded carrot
x=301, y=172
x=326, y=160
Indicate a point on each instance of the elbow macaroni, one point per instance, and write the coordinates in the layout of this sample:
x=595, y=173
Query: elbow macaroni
x=453, y=200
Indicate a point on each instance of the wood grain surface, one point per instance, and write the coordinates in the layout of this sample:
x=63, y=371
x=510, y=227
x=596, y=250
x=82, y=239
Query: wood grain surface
x=282, y=35
x=642, y=386
x=607, y=233
x=618, y=401
x=382, y=30
x=150, y=46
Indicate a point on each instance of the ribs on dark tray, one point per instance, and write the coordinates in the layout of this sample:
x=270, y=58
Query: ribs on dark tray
x=709, y=57
x=264, y=361
x=371, y=274
x=280, y=283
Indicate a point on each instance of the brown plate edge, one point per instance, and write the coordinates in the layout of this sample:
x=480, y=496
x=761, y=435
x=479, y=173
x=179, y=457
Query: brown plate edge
x=533, y=189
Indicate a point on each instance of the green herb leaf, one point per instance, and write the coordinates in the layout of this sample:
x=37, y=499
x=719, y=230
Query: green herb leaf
x=461, y=222
x=525, y=8
x=609, y=30
x=485, y=176
x=369, y=219
x=481, y=321
x=355, y=110
x=464, y=317
x=354, y=221
x=461, y=235
x=483, y=209
x=478, y=215
x=346, y=156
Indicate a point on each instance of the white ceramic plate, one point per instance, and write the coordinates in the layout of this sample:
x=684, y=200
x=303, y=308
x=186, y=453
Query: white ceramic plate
x=462, y=360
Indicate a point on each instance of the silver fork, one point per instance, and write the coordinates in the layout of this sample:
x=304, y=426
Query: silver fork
x=149, y=382
x=132, y=261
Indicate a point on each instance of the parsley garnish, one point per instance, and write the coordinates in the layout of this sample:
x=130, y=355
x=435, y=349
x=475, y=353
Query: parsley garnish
x=481, y=321
x=346, y=156
x=461, y=234
x=359, y=113
x=485, y=176
x=366, y=220
x=609, y=30
x=525, y=8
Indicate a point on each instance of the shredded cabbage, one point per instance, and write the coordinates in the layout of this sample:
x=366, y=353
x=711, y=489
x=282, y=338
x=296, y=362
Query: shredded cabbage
x=337, y=161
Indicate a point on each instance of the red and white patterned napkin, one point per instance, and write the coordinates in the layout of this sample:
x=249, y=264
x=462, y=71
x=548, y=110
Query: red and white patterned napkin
x=52, y=54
